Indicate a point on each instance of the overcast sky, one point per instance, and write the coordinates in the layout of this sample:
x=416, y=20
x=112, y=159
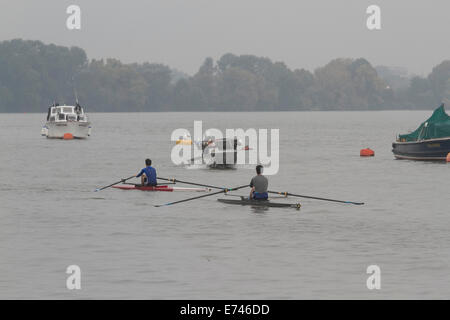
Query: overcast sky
x=181, y=33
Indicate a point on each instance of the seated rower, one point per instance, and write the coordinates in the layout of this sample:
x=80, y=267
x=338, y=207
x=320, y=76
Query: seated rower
x=148, y=174
x=259, y=185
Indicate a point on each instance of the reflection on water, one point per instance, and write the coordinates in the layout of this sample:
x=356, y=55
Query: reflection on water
x=259, y=209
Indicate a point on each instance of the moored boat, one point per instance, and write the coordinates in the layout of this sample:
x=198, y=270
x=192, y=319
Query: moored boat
x=431, y=141
x=66, y=122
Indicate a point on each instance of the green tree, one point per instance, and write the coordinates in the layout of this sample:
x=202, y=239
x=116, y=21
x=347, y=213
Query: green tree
x=438, y=80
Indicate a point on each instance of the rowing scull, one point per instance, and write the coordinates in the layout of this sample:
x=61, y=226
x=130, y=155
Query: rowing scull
x=159, y=188
x=260, y=203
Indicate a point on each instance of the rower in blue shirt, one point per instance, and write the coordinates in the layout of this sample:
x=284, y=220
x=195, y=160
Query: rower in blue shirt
x=148, y=174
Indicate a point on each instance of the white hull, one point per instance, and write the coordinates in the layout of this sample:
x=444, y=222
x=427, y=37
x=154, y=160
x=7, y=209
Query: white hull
x=79, y=130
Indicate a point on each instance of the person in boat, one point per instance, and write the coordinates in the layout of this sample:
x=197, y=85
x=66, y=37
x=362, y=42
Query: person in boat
x=148, y=174
x=259, y=185
x=77, y=108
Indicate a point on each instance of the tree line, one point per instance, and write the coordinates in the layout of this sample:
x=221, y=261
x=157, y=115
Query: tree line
x=33, y=75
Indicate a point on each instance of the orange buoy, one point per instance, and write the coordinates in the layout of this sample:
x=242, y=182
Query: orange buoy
x=68, y=136
x=367, y=152
x=448, y=157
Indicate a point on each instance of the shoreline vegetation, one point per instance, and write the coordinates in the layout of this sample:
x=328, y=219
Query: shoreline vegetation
x=223, y=111
x=34, y=74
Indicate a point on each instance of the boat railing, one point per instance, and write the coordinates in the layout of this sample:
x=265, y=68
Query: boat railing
x=58, y=115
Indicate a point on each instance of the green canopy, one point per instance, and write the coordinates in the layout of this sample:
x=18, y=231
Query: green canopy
x=437, y=126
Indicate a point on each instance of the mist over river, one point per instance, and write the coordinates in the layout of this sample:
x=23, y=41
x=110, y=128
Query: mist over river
x=203, y=249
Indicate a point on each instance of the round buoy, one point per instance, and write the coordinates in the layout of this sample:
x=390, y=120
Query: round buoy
x=367, y=152
x=68, y=136
x=448, y=157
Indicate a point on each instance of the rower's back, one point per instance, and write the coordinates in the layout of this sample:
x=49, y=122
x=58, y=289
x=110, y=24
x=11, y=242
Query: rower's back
x=260, y=183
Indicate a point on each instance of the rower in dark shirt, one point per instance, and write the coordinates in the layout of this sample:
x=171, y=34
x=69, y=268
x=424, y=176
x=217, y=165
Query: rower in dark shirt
x=259, y=185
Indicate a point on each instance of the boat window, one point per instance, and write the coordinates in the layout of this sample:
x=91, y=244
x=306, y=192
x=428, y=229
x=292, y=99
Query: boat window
x=53, y=110
x=52, y=118
x=67, y=110
x=61, y=116
x=71, y=117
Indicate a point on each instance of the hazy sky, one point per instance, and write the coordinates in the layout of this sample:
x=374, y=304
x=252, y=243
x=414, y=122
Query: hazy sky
x=181, y=33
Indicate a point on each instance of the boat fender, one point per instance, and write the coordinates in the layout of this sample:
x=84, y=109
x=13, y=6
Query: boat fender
x=367, y=152
x=68, y=136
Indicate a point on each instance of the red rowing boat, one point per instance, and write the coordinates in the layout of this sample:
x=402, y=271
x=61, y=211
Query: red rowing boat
x=158, y=188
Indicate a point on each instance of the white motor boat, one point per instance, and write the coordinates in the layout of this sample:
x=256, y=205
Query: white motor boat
x=66, y=122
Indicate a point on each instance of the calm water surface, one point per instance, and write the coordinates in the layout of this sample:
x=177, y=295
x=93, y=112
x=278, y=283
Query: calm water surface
x=126, y=248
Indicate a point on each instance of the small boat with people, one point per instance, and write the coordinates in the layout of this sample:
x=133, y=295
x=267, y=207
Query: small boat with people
x=66, y=122
x=430, y=141
x=149, y=182
x=215, y=153
x=220, y=153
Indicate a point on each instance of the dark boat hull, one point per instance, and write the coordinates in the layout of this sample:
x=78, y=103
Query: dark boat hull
x=260, y=203
x=433, y=149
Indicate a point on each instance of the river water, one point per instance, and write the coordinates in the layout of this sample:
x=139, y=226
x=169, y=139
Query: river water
x=127, y=248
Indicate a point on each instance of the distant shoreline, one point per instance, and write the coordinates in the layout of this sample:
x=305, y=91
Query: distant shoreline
x=218, y=111
x=33, y=75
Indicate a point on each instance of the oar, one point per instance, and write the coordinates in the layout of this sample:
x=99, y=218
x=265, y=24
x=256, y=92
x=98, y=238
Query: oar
x=315, y=198
x=225, y=190
x=192, y=183
x=113, y=184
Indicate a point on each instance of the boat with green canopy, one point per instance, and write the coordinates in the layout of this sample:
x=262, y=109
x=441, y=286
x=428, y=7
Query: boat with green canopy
x=430, y=141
